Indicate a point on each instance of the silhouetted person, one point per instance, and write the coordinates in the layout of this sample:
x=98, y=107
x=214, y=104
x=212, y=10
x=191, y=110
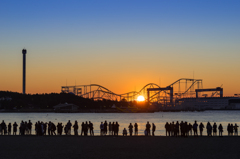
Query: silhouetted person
x=220, y=129
x=181, y=128
x=69, y=125
x=53, y=129
x=9, y=128
x=91, y=128
x=86, y=129
x=130, y=127
x=185, y=129
x=231, y=129
x=214, y=129
x=124, y=132
x=110, y=128
x=15, y=125
x=4, y=128
x=23, y=127
x=101, y=129
x=116, y=128
x=136, y=128
x=105, y=127
x=201, y=126
x=195, y=126
x=228, y=129
x=36, y=128
x=209, y=129
x=177, y=129
x=113, y=128
x=153, y=129
x=167, y=129
x=29, y=127
x=190, y=127
x=66, y=130
x=172, y=125
x=44, y=128
x=49, y=128
x=75, y=128
x=148, y=127
x=236, y=129
x=82, y=128
x=58, y=128
x=39, y=128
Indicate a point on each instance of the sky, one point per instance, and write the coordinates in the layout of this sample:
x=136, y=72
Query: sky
x=119, y=44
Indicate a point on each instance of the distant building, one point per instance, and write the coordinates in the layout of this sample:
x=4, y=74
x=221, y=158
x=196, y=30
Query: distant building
x=208, y=103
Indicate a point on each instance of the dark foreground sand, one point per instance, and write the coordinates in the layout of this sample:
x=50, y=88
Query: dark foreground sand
x=58, y=147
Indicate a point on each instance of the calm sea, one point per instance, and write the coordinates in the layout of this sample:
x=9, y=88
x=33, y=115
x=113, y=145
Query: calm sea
x=158, y=118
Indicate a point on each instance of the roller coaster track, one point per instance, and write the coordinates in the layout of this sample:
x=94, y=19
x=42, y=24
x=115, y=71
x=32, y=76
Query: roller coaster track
x=98, y=92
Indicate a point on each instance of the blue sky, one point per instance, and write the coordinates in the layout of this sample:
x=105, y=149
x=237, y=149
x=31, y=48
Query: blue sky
x=127, y=40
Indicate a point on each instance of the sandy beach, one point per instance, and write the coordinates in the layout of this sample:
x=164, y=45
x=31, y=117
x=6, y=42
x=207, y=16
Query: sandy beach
x=58, y=147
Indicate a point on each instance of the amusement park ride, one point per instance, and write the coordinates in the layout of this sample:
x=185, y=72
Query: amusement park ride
x=182, y=88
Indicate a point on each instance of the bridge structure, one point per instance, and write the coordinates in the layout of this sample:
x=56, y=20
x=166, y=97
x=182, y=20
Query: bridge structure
x=181, y=88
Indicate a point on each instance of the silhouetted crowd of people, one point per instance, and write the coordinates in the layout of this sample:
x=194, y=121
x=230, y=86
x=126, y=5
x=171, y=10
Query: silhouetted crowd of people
x=185, y=129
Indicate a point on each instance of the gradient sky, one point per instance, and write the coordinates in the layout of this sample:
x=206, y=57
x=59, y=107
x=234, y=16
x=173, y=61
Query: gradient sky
x=120, y=44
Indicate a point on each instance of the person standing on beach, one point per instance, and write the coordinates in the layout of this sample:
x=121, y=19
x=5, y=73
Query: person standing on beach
x=69, y=125
x=214, y=129
x=209, y=129
x=75, y=128
x=172, y=128
x=220, y=129
x=105, y=127
x=195, y=126
x=29, y=127
x=110, y=128
x=153, y=129
x=190, y=127
x=86, y=126
x=23, y=128
x=101, y=129
x=181, y=128
x=66, y=130
x=113, y=128
x=201, y=126
x=9, y=128
x=49, y=128
x=82, y=128
x=136, y=129
x=177, y=129
x=130, y=127
x=167, y=129
x=53, y=128
x=236, y=129
x=148, y=127
x=116, y=128
x=91, y=128
x=228, y=129
x=4, y=128
x=15, y=125
x=58, y=129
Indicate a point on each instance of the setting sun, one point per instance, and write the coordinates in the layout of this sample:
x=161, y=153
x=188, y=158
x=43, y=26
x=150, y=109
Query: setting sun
x=140, y=98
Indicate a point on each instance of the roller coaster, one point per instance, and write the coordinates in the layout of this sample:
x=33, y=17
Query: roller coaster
x=182, y=88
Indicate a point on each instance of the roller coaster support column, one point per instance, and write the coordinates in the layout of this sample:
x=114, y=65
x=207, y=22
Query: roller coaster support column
x=161, y=89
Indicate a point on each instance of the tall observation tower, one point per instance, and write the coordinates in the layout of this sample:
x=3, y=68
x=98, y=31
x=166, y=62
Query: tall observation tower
x=24, y=52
